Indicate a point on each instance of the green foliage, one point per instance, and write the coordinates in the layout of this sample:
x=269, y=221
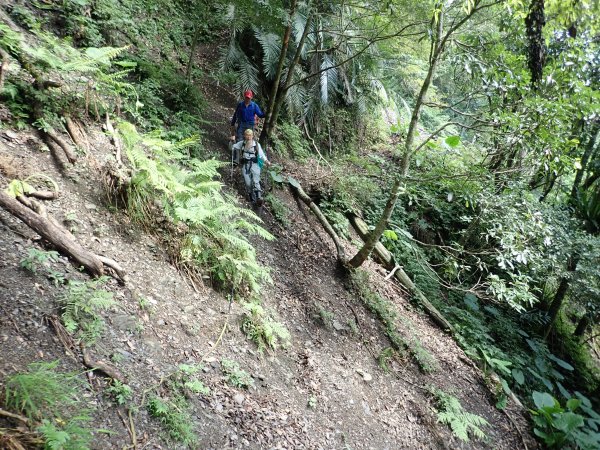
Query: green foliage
x=279, y=209
x=288, y=141
x=38, y=258
x=70, y=435
x=462, y=423
x=119, y=392
x=44, y=394
x=82, y=303
x=325, y=317
x=262, y=329
x=563, y=427
x=173, y=413
x=385, y=356
x=234, y=375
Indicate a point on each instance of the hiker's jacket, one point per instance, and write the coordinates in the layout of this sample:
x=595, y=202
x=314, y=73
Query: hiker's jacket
x=245, y=114
x=249, y=154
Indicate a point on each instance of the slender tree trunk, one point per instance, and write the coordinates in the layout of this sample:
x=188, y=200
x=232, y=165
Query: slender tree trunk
x=582, y=326
x=360, y=257
x=280, y=65
x=560, y=294
x=195, y=38
x=282, y=91
x=534, y=23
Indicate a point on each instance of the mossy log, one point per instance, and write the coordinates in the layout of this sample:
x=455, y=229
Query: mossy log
x=387, y=259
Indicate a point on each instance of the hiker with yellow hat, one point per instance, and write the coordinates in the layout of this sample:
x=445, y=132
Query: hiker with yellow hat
x=251, y=161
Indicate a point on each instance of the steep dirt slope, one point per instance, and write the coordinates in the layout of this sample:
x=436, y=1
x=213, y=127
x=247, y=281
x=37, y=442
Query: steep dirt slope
x=324, y=392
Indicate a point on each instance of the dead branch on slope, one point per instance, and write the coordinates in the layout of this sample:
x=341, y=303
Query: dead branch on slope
x=54, y=233
x=297, y=189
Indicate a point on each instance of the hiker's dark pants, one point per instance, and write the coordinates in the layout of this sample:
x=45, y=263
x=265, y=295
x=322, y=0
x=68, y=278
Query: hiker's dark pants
x=243, y=126
x=251, y=174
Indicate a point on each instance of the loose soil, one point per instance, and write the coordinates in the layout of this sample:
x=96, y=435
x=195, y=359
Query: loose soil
x=326, y=391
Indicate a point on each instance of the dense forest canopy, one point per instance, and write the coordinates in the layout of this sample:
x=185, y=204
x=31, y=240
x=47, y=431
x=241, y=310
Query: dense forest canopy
x=465, y=133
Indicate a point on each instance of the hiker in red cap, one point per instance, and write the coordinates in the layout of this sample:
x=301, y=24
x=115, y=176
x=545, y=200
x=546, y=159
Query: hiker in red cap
x=244, y=116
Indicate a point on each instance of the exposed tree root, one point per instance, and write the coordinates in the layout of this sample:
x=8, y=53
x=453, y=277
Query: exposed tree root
x=13, y=416
x=75, y=133
x=386, y=258
x=100, y=365
x=297, y=189
x=57, y=235
x=116, y=141
x=43, y=195
x=56, y=152
x=66, y=148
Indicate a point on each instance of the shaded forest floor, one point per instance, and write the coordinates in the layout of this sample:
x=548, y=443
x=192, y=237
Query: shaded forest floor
x=326, y=391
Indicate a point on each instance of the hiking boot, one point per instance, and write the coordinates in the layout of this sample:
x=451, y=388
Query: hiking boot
x=259, y=201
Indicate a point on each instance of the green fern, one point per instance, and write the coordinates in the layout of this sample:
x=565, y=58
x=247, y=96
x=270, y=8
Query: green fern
x=82, y=302
x=41, y=389
x=461, y=422
x=262, y=329
x=216, y=226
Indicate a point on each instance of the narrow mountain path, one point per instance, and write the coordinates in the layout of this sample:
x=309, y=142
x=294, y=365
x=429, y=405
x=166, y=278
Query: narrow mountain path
x=326, y=391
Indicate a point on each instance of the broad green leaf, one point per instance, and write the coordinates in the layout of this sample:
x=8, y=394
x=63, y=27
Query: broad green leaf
x=452, y=141
x=573, y=404
x=294, y=182
x=565, y=365
x=543, y=400
x=518, y=376
x=568, y=422
x=390, y=234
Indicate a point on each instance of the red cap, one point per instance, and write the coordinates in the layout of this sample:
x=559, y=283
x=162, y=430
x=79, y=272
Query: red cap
x=248, y=94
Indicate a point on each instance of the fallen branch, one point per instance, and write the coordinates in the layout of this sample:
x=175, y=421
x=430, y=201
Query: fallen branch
x=297, y=189
x=386, y=258
x=114, y=266
x=43, y=195
x=100, y=365
x=52, y=233
x=13, y=416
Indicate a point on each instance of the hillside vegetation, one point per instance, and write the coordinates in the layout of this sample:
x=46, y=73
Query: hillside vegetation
x=425, y=270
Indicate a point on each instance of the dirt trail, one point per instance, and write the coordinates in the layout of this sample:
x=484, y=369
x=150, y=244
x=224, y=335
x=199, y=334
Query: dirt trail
x=324, y=392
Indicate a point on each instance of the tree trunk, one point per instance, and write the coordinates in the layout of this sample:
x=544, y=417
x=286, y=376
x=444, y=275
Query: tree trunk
x=582, y=326
x=282, y=91
x=278, y=74
x=375, y=235
x=188, y=71
x=534, y=23
x=560, y=294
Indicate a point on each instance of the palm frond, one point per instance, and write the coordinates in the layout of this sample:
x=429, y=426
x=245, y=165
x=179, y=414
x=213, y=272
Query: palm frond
x=271, y=48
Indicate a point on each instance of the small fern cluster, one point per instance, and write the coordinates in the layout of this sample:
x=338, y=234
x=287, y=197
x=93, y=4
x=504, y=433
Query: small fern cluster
x=81, y=303
x=461, y=422
x=262, y=329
